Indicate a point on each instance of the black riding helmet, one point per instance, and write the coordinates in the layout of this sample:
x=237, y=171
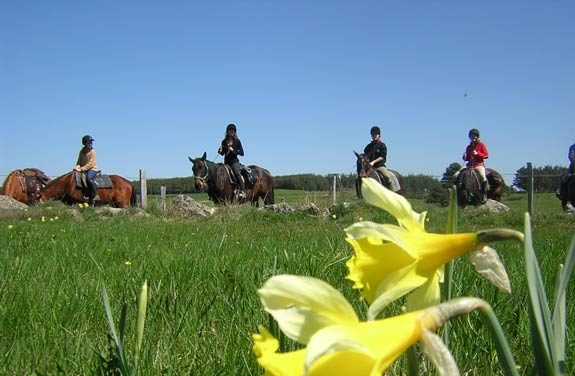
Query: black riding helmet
x=232, y=127
x=86, y=139
x=474, y=132
x=375, y=130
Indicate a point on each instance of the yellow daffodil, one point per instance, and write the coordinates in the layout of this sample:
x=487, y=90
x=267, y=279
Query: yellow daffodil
x=314, y=314
x=391, y=261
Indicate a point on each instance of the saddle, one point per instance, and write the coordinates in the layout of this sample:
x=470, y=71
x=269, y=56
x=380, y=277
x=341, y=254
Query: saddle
x=247, y=173
x=101, y=181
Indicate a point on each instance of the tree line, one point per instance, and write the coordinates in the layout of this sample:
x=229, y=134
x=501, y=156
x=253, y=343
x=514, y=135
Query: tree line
x=545, y=179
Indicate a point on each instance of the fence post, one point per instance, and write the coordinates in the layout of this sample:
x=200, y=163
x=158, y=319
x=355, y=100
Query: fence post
x=529, y=188
x=143, y=190
x=163, y=198
x=334, y=189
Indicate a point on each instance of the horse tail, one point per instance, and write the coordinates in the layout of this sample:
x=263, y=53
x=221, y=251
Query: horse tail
x=133, y=196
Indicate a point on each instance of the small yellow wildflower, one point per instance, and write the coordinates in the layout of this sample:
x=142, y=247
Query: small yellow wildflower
x=127, y=263
x=43, y=219
x=10, y=227
x=29, y=219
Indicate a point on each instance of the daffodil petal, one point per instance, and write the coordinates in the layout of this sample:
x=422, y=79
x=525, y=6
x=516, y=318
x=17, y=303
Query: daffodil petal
x=390, y=233
x=277, y=364
x=426, y=295
x=342, y=340
x=373, y=262
x=377, y=195
x=394, y=287
x=304, y=305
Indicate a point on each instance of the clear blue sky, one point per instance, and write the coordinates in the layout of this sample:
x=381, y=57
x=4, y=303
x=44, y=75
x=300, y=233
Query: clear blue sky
x=154, y=82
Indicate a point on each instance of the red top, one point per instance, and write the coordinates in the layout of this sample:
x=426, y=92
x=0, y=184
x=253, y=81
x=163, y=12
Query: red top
x=475, y=160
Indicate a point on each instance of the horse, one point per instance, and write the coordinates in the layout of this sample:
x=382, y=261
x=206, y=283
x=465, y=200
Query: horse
x=468, y=185
x=365, y=170
x=568, y=194
x=64, y=188
x=25, y=185
x=218, y=180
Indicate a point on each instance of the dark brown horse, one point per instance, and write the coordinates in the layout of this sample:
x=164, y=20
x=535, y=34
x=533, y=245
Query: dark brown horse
x=216, y=179
x=468, y=184
x=25, y=185
x=63, y=188
x=365, y=170
x=568, y=195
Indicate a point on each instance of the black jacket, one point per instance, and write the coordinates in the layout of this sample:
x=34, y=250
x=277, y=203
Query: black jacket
x=373, y=150
x=232, y=156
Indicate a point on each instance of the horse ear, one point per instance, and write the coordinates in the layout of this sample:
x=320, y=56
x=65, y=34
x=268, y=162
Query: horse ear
x=190, y=158
x=356, y=154
x=204, y=156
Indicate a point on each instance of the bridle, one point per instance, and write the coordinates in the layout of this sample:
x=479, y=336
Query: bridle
x=203, y=178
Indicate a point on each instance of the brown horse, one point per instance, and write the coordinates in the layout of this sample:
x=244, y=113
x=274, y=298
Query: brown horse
x=25, y=185
x=64, y=188
x=568, y=195
x=365, y=170
x=468, y=186
x=217, y=180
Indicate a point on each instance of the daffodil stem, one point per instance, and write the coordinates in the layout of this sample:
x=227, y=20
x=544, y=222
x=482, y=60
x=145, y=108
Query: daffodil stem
x=502, y=346
x=449, y=267
x=412, y=361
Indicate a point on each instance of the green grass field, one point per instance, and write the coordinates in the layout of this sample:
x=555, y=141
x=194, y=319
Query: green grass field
x=203, y=275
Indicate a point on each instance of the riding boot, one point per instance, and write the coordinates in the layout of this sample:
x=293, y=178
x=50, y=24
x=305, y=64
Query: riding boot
x=484, y=192
x=242, y=192
x=93, y=192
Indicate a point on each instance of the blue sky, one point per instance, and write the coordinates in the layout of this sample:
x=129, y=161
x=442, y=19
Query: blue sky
x=154, y=82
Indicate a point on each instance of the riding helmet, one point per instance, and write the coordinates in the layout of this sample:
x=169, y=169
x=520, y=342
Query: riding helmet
x=375, y=130
x=232, y=127
x=86, y=139
x=474, y=131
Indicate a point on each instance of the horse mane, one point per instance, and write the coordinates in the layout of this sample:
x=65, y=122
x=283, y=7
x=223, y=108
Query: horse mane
x=58, y=179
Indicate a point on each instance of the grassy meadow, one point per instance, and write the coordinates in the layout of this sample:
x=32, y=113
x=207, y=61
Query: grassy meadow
x=203, y=275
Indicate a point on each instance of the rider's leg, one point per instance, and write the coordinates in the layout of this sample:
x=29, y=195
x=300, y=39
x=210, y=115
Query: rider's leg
x=90, y=175
x=238, y=174
x=385, y=172
x=481, y=171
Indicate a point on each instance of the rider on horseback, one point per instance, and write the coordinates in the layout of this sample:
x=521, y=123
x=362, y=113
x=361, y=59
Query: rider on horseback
x=232, y=147
x=87, y=163
x=376, y=154
x=475, y=154
x=565, y=177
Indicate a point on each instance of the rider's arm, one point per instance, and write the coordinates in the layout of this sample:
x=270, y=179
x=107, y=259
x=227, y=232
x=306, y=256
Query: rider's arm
x=238, y=149
x=482, y=150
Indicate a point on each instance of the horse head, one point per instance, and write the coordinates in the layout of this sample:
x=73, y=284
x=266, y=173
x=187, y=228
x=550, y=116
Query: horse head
x=201, y=171
x=362, y=165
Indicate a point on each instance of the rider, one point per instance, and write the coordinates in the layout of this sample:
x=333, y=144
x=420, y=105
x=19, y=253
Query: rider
x=571, y=171
x=87, y=163
x=376, y=154
x=231, y=148
x=475, y=154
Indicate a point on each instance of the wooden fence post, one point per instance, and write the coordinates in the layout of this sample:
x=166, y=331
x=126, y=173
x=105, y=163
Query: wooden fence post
x=143, y=190
x=334, y=189
x=529, y=188
x=163, y=198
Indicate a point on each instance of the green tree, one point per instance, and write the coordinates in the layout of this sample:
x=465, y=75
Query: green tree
x=447, y=180
x=545, y=179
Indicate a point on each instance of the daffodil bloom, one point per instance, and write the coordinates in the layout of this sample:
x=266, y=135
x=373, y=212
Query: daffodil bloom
x=392, y=261
x=315, y=314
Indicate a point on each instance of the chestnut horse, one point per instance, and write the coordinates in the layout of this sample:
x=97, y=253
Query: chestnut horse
x=216, y=179
x=468, y=184
x=25, y=185
x=365, y=170
x=64, y=188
